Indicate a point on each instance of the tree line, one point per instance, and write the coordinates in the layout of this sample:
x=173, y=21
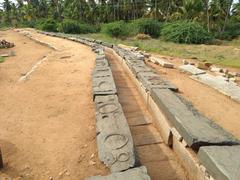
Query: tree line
x=215, y=15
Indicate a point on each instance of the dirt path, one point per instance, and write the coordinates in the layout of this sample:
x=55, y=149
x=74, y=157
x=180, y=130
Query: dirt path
x=216, y=106
x=48, y=122
x=159, y=159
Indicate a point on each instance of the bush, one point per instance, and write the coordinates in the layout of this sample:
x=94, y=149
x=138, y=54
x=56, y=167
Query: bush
x=232, y=31
x=47, y=25
x=75, y=27
x=148, y=26
x=185, y=32
x=116, y=29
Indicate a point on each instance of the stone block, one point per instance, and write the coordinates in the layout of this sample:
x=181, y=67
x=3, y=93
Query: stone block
x=139, y=173
x=161, y=62
x=191, y=69
x=140, y=68
x=102, y=63
x=195, y=129
x=114, y=139
x=152, y=80
x=222, y=162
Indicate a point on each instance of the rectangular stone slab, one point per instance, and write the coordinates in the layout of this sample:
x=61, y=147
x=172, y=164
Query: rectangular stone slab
x=139, y=173
x=195, y=129
x=152, y=80
x=102, y=63
x=138, y=69
x=222, y=162
x=114, y=139
x=191, y=69
x=230, y=89
x=162, y=62
x=103, y=85
x=102, y=72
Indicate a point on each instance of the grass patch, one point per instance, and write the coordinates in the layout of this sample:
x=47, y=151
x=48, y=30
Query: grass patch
x=226, y=55
x=2, y=59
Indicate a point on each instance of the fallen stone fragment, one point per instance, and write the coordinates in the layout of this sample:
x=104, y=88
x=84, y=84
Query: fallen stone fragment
x=221, y=162
x=202, y=65
x=191, y=69
x=161, y=62
x=195, y=129
x=139, y=173
x=114, y=139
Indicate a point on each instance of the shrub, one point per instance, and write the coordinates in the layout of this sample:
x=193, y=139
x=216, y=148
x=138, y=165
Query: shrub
x=185, y=32
x=232, y=31
x=75, y=27
x=116, y=29
x=47, y=25
x=148, y=26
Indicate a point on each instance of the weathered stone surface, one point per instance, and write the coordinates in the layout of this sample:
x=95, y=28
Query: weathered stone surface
x=138, y=69
x=161, y=62
x=230, y=89
x=191, y=69
x=103, y=82
x=107, y=44
x=102, y=63
x=139, y=173
x=131, y=63
x=222, y=162
x=100, y=57
x=152, y=80
x=114, y=139
x=195, y=129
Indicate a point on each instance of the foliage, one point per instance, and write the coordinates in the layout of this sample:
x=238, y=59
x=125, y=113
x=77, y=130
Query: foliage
x=148, y=26
x=75, y=27
x=1, y=59
x=185, y=32
x=116, y=29
x=47, y=25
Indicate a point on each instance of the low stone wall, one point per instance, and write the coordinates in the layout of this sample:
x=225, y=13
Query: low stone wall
x=204, y=148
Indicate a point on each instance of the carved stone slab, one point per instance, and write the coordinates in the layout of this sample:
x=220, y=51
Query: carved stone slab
x=222, y=162
x=152, y=80
x=131, y=63
x=100, y=57
x=114, y=139
x=195, y=129
x=139, y=173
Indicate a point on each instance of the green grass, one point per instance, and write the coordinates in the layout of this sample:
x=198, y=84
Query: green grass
x=1, y=59
x=227, y=54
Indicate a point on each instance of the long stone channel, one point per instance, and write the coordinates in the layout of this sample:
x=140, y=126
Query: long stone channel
x=140, y=99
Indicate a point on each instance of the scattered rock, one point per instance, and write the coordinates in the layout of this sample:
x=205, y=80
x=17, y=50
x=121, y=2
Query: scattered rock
x=185, y=62
x=92, y=163
x=201, y=65
x=5, y=44
x=50, y=178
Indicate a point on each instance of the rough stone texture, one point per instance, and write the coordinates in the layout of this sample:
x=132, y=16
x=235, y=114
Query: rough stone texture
x=102, y=63
x=107, y=44
x=131, y=63
x=114, y=139
x=230, y=89
x=161, y=62
x=139, y=173
x=195, y=129
x=151, y=80
x=103, y=82
x=138, y=69
x=222, y=162
x=191, y=69
x=100, y=57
